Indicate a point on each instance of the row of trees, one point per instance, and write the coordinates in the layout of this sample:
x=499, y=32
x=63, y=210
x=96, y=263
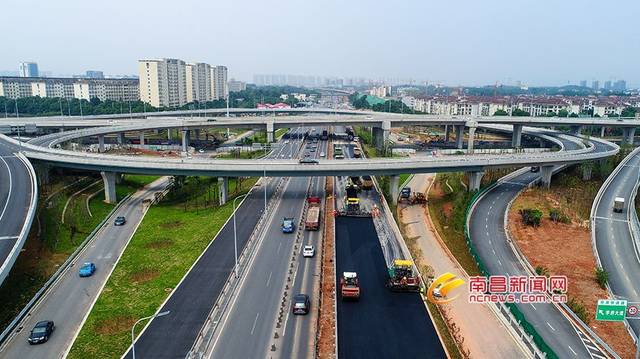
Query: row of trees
x=359, y=101
x=53, y=106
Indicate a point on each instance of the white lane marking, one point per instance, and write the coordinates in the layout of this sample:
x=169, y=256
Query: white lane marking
x=10, y=189
x=8, y=237
x=573, y=351
x=269, y=280
x=279, y=245
x=499, y=263
x=551, y=326
x=611, y=219
x=255, y=321
x=533, y=306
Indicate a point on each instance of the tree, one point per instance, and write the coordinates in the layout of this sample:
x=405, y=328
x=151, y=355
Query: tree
x=563, y=113
x=519, y=112
x=500, y=113
x=629, y=112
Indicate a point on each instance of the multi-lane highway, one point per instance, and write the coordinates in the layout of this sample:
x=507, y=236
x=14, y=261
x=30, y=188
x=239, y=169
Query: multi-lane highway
x=486, y=229
x=190, y=303
x=616, y=234
x=69, y=300
x=18, y=198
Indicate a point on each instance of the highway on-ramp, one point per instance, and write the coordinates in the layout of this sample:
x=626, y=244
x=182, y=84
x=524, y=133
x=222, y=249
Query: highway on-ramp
x=18, y=194
x=68, y=301
x=486, y=229
x=616, y=234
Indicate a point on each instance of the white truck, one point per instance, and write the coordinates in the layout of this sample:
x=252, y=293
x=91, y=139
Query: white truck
x=618, y=204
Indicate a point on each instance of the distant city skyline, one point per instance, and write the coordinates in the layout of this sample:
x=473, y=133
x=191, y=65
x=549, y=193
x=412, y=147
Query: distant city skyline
x=470, y=44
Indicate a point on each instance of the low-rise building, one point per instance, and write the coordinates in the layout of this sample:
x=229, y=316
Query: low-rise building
x=103, y=89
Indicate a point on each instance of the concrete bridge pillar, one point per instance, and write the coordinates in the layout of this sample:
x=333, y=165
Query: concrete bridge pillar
x=223, y=188
x=545, y=176
x=169, y=134
x=446, y=133
x=586, y=171
x=381, y=135
x=459, y=136
x=141, y=137
x=196, y=132
x=100, y=143
x=575, y=130
x=109, y=179
x=472, y=132
x=186, y=134
x=42, y=172
x=270, y=132
x=627, y=135
x=516, y=139
x=475, y=178
x=394, y=183
x=121, y=139
x=602, y=131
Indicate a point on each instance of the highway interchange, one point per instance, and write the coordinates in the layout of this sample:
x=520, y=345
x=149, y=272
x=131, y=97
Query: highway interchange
x=266, y=276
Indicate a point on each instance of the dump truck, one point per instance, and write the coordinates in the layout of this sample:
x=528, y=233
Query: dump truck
x=402, y=277
x=312, y=222
x=367, y=182
x=349, y=286
x=618, y=204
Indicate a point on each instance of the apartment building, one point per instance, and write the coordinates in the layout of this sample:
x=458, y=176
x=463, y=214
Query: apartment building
x=28, y=69
x=219, y=82
x=198, y=76
x=103, y=89
x=163, y=82
x=380, y=91
x=236, y=86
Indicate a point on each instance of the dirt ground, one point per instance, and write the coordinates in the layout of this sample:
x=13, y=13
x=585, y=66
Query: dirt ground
x=327, y=324
x=565, y=249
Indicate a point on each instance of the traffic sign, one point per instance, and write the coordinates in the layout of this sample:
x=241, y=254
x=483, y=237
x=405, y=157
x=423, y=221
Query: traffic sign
x=613, y=310
x=632, y=311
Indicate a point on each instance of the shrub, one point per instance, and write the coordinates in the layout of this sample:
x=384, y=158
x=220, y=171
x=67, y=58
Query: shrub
x=542, y=270
x=558, y=216
x=531, y=216
x=602, y=277
x=579, y=309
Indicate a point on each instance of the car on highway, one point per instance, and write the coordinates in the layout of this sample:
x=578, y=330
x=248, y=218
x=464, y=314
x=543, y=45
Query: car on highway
x=87, y=269
x=321, y=154
x=41, y=332
x=120, y=221
x=301, y=304
x=287, y=225
x=535, y=169
x=201, y=150
x=308, y=251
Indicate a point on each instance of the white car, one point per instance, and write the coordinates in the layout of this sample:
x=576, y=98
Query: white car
x=321, y=154
x=201, y=150
x=308, y=251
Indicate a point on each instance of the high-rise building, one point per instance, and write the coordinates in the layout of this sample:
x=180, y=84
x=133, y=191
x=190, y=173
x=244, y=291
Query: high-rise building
x=236, y=86
x=163, y=82
x=219, y=82
x=620, y=85
x=583, y=83
x=199, y=82
x=607, y=85
x=595, y=85
x=28, y=69
x=103, y=89
x=92, y=74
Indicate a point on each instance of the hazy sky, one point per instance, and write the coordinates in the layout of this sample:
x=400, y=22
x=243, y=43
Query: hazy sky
x=454, y=42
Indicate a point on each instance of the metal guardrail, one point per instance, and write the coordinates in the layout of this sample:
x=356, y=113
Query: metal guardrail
x=42, y=291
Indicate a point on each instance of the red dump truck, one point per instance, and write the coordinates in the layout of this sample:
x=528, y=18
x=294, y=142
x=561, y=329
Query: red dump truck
x=312, y=222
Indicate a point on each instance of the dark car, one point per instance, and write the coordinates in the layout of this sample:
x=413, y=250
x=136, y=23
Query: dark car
x=300, y=304
x=41, y=332
x=405, y=192
x=120, y=221
x=535, y=169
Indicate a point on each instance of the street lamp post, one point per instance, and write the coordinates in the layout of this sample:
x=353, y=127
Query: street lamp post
x=235, y=234
x=133, y=344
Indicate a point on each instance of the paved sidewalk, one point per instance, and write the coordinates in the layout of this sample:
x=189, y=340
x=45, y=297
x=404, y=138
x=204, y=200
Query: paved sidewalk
x=484, y=335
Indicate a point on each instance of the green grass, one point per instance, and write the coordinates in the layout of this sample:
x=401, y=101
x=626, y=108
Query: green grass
x=42, y=254
x=169, y=240
x=245, y=155
x=280, y=132
x=445, y=334
x=449, y=215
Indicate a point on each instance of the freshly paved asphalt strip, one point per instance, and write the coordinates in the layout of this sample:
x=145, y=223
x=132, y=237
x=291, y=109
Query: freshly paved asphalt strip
x=15, y=197
x=70, y=298
x=618, y=255
x=486, y=228
x=172, y=336
x=382, y=324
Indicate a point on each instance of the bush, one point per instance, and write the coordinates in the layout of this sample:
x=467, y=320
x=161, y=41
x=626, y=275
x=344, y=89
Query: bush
x=558, y=216
x=531, y=216
x=602, y=277
x=542, y=270
x=579, y=309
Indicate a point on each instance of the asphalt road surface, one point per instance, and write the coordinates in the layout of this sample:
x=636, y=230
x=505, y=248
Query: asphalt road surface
x=15, y=197
x=70, y=298
x=172, y=336
x=618, y=255
x=486, y=228
x=382, y=324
